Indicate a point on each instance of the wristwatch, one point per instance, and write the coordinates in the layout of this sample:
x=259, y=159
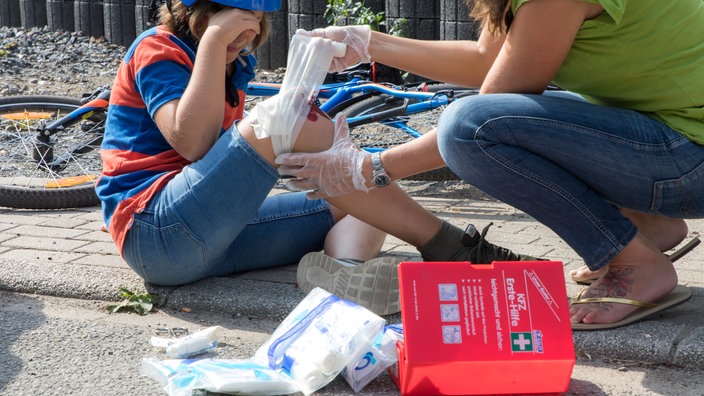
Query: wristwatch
x=379, y=176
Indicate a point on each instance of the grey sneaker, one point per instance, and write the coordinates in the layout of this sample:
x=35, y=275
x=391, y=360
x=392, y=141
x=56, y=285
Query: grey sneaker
x=372, y=284
x=479, y=251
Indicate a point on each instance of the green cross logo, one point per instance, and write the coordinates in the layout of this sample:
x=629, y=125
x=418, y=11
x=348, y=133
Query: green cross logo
x=521, y=342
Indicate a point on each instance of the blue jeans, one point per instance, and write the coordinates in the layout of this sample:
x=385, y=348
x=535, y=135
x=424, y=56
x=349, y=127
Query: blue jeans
x=571, y=165
x=215, y=218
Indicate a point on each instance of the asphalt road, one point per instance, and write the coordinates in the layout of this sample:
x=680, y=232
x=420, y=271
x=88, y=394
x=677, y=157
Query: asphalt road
x=55, y=346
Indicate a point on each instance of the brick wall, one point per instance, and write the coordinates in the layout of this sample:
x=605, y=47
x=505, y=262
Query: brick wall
x=120, y=21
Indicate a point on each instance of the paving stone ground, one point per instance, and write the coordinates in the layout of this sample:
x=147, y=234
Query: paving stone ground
x=63, y=253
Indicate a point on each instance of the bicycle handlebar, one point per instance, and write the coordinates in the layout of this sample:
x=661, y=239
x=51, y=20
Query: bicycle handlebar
x=380, y=116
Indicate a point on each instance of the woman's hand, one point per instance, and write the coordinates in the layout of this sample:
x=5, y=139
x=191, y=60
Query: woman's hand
x=355, y=37
x=335, y=171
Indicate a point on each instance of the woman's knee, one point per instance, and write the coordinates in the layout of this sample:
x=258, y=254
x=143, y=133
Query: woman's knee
x=462, y=118
x=458, y=125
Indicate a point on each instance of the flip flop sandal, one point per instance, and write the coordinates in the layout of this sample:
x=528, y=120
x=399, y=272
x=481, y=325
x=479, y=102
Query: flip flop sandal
x=676, y=255
x=645, y=309
x=681, y=252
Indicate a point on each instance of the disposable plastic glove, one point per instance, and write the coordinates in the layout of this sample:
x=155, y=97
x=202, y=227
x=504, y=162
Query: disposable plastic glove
x=335, y=171
x=357, y=39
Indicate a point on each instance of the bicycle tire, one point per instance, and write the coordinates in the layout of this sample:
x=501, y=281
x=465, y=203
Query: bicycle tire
x=378, y=135
x=35, y=181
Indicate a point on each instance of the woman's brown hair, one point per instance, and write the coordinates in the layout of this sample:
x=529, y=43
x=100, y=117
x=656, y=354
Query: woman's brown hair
x=194, y=19
x=496, y=15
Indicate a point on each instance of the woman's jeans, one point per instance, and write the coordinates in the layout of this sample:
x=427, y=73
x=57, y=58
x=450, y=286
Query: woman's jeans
x=571, y=165
x=215, y=219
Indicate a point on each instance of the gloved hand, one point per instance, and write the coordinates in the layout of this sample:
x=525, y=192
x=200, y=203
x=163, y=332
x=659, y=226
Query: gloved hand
x=335, y=171
x=357, y=39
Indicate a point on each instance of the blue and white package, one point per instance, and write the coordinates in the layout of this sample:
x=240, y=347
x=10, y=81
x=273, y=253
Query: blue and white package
x=313, y=344
x=180, y=377
x=321, y=336
x=375, y=359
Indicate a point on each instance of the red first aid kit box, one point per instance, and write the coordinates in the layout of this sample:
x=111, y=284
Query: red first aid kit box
x=483, y=329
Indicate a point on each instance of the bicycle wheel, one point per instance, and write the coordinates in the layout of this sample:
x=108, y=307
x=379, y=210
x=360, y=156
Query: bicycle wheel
x=381, y=135
x=48, y=172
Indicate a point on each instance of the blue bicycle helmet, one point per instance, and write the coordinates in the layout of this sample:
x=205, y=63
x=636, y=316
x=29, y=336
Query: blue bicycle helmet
x=254, y=5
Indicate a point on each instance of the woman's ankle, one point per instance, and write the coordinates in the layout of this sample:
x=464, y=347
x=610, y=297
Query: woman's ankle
x=644, y=263
x=664, y=232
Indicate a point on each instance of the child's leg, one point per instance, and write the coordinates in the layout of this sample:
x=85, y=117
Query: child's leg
x=389, y=209
x=351, y=238
x=393, y=211
x=316, y=135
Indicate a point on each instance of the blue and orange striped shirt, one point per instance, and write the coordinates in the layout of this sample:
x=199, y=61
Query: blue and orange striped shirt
x=137, y=159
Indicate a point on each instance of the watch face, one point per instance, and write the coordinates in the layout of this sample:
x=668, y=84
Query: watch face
x=381, y=180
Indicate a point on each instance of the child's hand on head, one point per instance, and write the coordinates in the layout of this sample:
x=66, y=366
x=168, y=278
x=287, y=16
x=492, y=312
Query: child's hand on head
x=234, y=24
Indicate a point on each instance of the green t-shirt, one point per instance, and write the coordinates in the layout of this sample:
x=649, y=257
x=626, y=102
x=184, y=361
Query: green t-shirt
x=645, y=55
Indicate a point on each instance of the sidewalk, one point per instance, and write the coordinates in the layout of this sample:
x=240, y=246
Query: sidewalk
x=64, y=253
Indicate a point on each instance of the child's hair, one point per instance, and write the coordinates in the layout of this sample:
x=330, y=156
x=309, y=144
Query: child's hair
x=181, y=20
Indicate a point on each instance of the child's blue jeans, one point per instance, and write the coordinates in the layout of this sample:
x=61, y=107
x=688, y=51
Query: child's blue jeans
x=215, y=218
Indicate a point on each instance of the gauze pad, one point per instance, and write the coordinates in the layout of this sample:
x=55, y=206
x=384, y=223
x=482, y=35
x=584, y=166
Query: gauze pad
x=281, y=116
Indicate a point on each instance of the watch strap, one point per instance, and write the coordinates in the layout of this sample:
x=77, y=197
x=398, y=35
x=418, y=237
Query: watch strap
x=379, y=176
x=376, y=163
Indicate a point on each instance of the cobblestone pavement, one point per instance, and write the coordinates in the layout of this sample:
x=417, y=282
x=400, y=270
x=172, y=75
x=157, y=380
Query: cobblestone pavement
x=63, y=253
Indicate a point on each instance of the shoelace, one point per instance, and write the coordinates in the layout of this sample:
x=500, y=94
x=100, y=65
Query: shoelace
x=484, y=252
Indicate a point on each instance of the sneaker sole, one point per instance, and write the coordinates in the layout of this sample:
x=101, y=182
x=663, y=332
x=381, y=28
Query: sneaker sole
x=373, y=284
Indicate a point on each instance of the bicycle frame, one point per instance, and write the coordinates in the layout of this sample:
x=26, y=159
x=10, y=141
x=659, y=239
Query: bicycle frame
x=44, y=172
x=331, y=96
x=42, y=151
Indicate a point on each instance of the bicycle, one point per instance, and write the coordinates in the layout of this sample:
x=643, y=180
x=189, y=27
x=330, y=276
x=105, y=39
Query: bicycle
x=49, y=150
x=383, y=115
x=50, y=146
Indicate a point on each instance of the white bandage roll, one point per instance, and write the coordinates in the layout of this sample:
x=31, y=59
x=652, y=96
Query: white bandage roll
x=281, y=116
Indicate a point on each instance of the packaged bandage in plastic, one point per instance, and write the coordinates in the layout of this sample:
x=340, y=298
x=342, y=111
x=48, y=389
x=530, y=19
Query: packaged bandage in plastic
x=191, y=345
x=313, y=344
x=375, y=359
x=182, y=377
x=281, y=116
x=321, y=336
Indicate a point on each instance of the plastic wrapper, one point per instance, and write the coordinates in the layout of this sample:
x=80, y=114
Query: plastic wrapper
x=191, y=345
x=321, y=336
x=312, y=345
x=281, y=116
x=180, y=377
x=380, y=355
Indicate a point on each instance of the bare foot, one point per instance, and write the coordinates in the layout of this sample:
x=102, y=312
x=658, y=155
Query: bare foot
x=640, y=272
x=663, y=232
x=584, y=275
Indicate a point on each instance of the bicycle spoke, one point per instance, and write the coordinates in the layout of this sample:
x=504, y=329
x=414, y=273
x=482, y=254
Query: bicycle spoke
x=34, y=163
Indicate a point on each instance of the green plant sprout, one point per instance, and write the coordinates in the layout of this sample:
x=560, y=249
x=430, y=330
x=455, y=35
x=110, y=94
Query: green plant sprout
x=141, y=303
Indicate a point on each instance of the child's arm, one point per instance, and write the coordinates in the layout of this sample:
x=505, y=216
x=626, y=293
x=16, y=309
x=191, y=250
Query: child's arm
x=192, y=123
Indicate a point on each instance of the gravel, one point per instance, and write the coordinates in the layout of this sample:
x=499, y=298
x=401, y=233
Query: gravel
x=40, y=61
